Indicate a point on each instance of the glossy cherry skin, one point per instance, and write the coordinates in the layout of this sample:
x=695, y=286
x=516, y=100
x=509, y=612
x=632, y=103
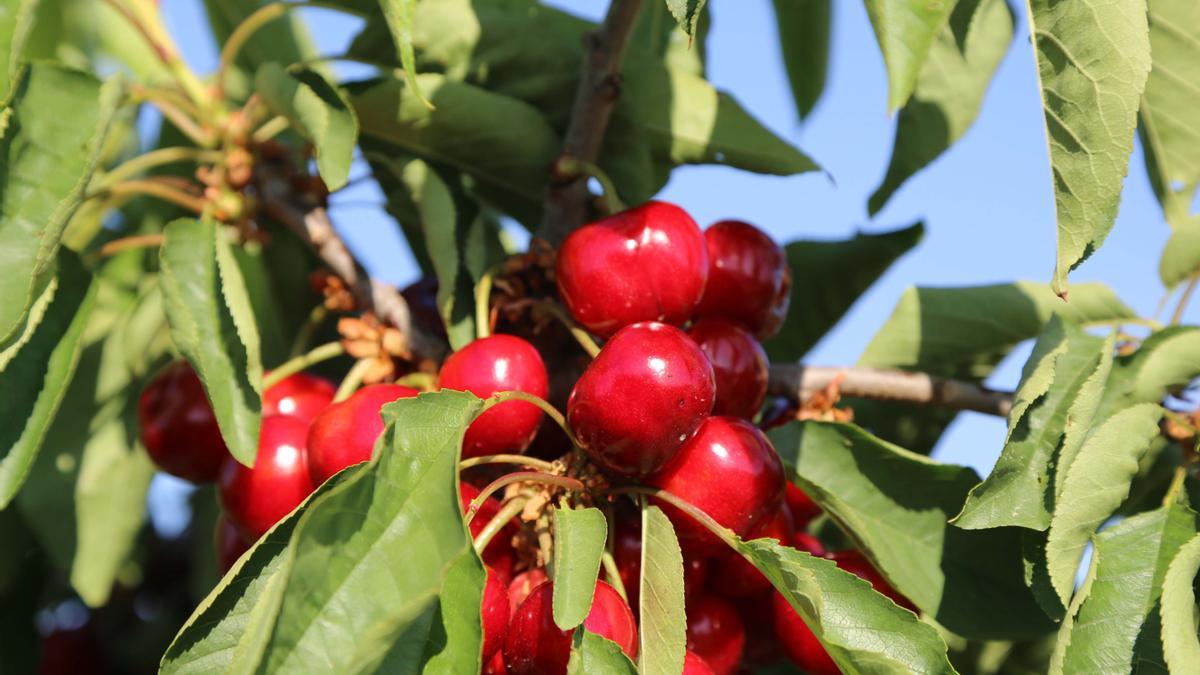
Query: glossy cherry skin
x=734, y=576
x=494, y=666
x=694, y=665
x=715, y=633
x=494, y=613
x=299, y=395
x=499, y=554
x=534, y=645
x=803, y=508
x=178, y=427
x=798, y=641
x=644, y=394
x=748, y=278
x=739, y=366
x=493, y=364
x=256, y=498
x=523, y=584
x=627, y=553
x=649, y=263
x=728, y=470
x=230, y=544
x=852, y=561
x=345, y=433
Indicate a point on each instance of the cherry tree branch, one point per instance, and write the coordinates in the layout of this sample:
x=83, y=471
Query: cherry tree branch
x=599, y=88
x=798, y=381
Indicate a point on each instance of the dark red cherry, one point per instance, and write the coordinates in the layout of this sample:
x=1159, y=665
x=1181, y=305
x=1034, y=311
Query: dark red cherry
x=694, y=665
x=230, y=544
x=803, y=508
x=345, y=433
x=641, y=398
x=748, y=278
x=523, y=584
x=300, y=395
x=798, y=641
x=803, y=541
x=854, y=562
x=178, y=427
x=728, y=470
x=256, y=498
x=493, y=364
x=535, y=645
x=761, y=648
x=739, y=366
x=645, y=264
x=494, y=613
x=627, y=553
x=499, y=553
x=495, y=665
x=734, y=576
x=715, y=633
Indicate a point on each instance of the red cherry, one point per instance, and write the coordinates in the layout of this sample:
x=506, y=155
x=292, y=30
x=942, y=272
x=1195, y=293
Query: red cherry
x=728, y=470
x=494, y=613
x=798, y=641
x=494, y=666
x=803, y=508
x=739, y=365
x=748, y=278
x=230, y=544
x=493, y=364
x=522, y=585
x=534, y=645
x=256, y=498
x=645, y=393
x=300, y=395
x=645, y=264
x=178, y=427
x=715, y=633
x=761, y=646
x=345, y=433
x=627, y=553
x=499, y=553
x=854, y=562
x=803, y=541
x=694, y=665
x=734, y=576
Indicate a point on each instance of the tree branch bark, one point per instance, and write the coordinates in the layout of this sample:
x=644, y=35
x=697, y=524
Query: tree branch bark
x=599, y=88
x=797, y=381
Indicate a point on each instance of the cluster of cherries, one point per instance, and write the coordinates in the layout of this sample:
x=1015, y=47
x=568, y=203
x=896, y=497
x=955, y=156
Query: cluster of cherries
x=658, y=407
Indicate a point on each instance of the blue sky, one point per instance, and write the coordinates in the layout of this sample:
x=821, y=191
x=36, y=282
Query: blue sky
x=987, y=204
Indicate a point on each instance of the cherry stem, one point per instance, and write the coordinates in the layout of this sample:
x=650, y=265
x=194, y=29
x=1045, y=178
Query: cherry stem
x=519, y=460
x=174, y=110
x=159, y=157
x=551, y=411
x=483, y=300
x=1176, y=486
x=128, y=243
x=422, y=381
x=153, y=188
x=497, y=523
x=571, y=167
x=352, y=380
x=1177, y=316
x=292, y=366
x=521, y=477
x=315, y=318
x=270, y=129
x=581, y=336
x=725, y=534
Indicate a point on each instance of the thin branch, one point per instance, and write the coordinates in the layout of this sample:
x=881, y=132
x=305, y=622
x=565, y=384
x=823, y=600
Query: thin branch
x=599, y=88
x=1184, y=299
x=798, y=381
x=129, y=243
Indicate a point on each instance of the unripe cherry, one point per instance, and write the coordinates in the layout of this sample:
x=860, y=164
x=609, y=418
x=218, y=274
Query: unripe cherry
x=739, y=366
x=748, y=278
x=345, y=433
x=178, y=426
x=535, y=645
x=256, y=498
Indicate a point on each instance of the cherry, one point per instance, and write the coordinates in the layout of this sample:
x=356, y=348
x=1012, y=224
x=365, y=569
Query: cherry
x=627, y=553
x=499, y=553
x=535, y=645
x=345, y=433
x=300, y=395
x=495, y=666
x=803, y=541
x=493, y=364
x=728, y=470
x=694, y=665
x=645, y=393
x=256, y=498
x=761, y=648
x=803, y=508
x=230, y=544
x=798, y=641
x=522, y=585
x=734, y=576
x=494, y=613
x=854, y=562
x=178, y=426
x=715, y=633
x=645, y=264
x=739, y=365
x=748, y=278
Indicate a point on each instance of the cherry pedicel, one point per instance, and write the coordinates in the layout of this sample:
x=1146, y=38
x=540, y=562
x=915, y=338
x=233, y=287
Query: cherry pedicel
x=299, y=395
x=490, y=365
x=646, y=392
x=739, y=365
x=649, y=263
x=345, y=433
x=728, y=470
x=748, y=278
x=256, y=498
x=715, y=633
x=494, y=612
x=535, y=645
x=178, y=426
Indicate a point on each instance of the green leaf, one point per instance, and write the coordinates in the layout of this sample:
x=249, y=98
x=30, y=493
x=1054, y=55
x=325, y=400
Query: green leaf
x=1096, y=484
x=1128, y=565
x=804, y=30
x=1170, y=133
x=949, y=91
x=906, y=30
x=45, y=164
x=686, y=13
x=828, y=277
x=862, y=630
x=213, y=326
x=318, y=110
x=16, y=23
x=656, y=33
x=35, y=378
x=593, y=654
x=662, y=627
x=1165, y=362
x=895, y=505
x=1181, y=255
x=1093, y=57
x=1180, y=645
x=399, y=17
x=579, y=536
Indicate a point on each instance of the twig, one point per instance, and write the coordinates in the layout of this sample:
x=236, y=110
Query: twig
x=798, y=381
x=1184, y=299
x=599, y=88
x=128, y=243
x=153, y=188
